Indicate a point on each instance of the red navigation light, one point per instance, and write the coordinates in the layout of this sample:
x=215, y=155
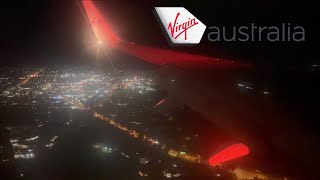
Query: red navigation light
x=101, y=28
x=232, y=152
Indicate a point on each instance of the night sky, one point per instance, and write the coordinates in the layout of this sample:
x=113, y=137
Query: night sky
x=55, y=32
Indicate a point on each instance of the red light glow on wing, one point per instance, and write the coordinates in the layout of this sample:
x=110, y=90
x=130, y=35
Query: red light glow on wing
x=232, y=152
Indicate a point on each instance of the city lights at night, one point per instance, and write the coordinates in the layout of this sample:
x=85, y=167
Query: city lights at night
x=142, y=89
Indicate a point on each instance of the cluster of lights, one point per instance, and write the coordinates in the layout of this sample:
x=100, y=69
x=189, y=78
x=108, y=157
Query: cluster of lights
x=24, y=156
x=133, y=133
x=138, y=83
x=103, y=148
x=77, y=89
x=152, y=141
x=265, y=92
x=33, y=138
x=49, y=145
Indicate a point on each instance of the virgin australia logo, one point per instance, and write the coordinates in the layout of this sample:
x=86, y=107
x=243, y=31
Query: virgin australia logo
x=181, y=26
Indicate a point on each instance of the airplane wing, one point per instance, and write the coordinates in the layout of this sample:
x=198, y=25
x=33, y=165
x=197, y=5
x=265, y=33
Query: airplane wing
x=241, y=114
x=157, y=56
